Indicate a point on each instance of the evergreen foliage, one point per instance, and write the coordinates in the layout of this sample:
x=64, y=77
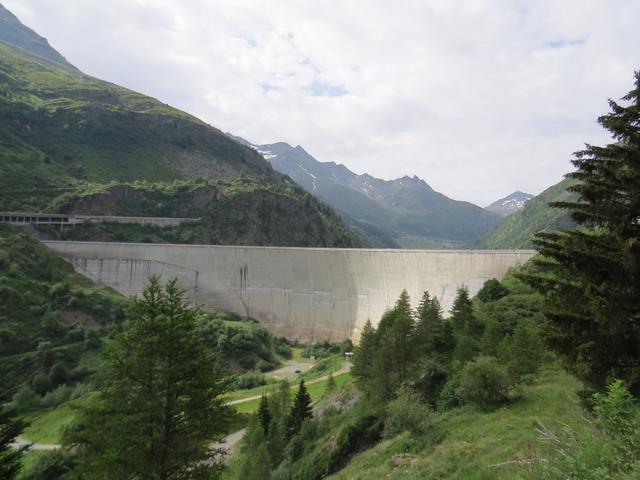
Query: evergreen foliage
x=364, y=354
x=591, y=276
x=300, y=411
x=158, y=410
x=491, y=291
x=264, y=415
x=10, y=458
x=434, y=336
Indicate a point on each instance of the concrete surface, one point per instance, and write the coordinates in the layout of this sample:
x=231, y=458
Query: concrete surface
x=303, y=294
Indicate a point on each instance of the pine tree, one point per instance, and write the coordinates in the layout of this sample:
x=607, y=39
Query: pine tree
x=264, y=414
x=159, y=407
x=434, y=337
x=363, y=356
x=462, y=310
x=402, y=331
x=255, y=462
x=467, y=329
x=331, y=384
x=591, y=275
x=300, y=411
x=10, y=458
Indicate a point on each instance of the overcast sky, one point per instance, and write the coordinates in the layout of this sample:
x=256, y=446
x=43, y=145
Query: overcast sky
x=478, y=97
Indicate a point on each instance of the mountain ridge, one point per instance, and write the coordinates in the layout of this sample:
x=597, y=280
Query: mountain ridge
x=405, y=211
x=15, y=33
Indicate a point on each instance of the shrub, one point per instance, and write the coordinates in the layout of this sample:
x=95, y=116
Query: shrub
x=406, y=413
x=320, y=350
x=249, y=380
x=523, y=351
x=25, y=399
x=50, y=465
x=58, y=374
x=484, y=383
x=41, y=384
x=449, y=396
x=57, y=397
x=492, y=290
x=617, y=414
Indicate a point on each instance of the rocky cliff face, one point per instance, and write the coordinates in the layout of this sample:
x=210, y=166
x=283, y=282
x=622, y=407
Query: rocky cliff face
x=241, y=212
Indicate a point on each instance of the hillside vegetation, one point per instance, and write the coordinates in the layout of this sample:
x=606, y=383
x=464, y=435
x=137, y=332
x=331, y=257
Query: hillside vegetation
x=237, y=212
x=58, y=126
x=518, y=229
x=60, y=129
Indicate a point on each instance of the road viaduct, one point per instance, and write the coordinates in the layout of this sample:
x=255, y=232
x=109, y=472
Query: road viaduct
x=304, y=294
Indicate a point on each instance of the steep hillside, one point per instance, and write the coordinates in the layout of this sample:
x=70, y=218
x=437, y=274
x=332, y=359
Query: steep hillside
x=13, y=32
x=406, y=210
x=51, y=318
x=60, y=129
x=238, y=212
x=518, y=229
x=510, y=204
x=58, y=126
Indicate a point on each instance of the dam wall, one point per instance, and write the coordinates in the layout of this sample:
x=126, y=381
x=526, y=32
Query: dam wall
x=303, y=294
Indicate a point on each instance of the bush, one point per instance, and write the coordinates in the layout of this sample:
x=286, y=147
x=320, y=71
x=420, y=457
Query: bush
x=407, y=413
x=50, y=465
x=484, y=383
x=57, y=397
x=449, y=396
x=250, y=380
x=41, y=384
x=522, y=352
x=25, y=399
x=491, y=291
x=618, y=415
x=58, y=374
x=320, y=350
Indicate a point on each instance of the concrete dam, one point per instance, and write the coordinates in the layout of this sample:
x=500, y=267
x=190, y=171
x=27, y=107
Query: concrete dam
x=304, y=294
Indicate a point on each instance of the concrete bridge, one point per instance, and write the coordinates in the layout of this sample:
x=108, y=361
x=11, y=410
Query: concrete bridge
x=300, y=293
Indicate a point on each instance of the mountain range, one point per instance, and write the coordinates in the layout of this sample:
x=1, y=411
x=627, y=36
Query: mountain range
x=405, y=211
x=69, y=140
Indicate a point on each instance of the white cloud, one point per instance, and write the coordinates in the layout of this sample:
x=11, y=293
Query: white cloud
x=478, y=97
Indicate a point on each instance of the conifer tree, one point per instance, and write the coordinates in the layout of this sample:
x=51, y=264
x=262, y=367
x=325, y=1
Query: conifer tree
x=264, y=414
x=159, y=409
x=331, y=383
x=433, y=335
x=300, y=411
x=591, y=275
x=10, y=458
x=402, y=345
x=462, y=311
x=364, y=355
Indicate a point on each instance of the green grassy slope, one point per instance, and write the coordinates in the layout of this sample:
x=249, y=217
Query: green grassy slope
x=58, y=125
x=60, y=129
x=517, y=230
x=477, y=445
x=49, y=315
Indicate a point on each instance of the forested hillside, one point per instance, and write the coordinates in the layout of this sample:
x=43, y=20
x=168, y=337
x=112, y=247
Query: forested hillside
x=237, y=212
